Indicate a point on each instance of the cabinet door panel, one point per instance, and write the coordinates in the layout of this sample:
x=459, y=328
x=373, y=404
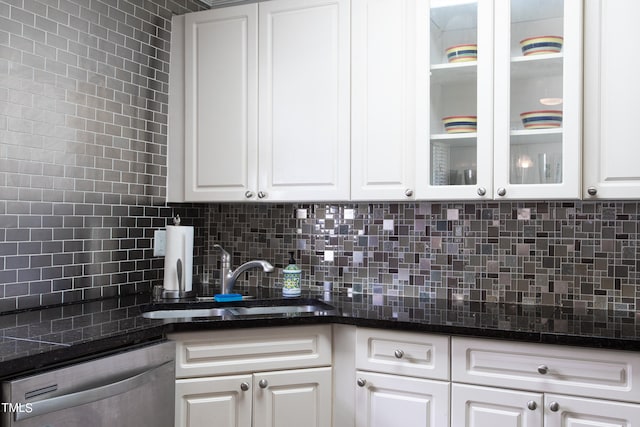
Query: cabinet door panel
x=484, y=406
x=293, y=398
x=611, y=96
x=221, y=103
x=390, y=401
x=537, y=160
x=304, y=99
x=383, y=109
x=198, y=399
x=582, y=412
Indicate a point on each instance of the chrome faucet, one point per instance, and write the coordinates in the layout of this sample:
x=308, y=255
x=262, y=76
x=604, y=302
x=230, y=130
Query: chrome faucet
x=228, y=277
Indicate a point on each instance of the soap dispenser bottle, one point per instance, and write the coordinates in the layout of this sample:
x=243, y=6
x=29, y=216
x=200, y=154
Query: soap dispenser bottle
x=291, y=280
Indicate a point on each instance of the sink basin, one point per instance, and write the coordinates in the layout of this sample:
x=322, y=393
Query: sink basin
x=278, y=309
x=250, y=308
x=184, y=312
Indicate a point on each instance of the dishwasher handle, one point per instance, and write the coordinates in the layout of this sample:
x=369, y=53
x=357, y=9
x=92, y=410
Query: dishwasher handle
x=93, y=394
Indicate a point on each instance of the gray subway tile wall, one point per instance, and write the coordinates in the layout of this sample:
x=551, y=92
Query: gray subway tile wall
x=83, y=118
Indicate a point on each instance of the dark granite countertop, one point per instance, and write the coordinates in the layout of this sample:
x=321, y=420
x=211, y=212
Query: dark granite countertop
x=49, y=337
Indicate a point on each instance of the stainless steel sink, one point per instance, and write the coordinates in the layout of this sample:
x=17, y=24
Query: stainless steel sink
x=253, y=308
x=185, y=313
x=278, y=309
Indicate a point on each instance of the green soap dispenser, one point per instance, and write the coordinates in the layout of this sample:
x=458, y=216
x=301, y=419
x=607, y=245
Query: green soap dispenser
x=291, y=280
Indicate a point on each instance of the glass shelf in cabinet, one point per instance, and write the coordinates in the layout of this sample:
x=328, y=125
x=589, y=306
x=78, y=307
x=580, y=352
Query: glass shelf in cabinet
x=536, y=65
x=454, y=72
x=466, y=139
x=536, y=136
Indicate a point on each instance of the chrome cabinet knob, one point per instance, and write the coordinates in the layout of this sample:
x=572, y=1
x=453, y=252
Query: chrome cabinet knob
x=554, y=406
x=502, y=191
x=248, y=194
x=408, y=192
x=361, y=382
x=244, y=386
x=543, y=369
x=482, y=191
x=532, y=405
x=592, y=191
x=261, y=194
x=263, y=383
x=399, y=354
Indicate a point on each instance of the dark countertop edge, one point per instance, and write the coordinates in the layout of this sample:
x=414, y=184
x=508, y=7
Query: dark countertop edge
x=158, y=331
x=463, y=331
x=63, y=356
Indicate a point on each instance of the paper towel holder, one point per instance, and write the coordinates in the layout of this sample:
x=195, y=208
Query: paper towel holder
x=181, y=292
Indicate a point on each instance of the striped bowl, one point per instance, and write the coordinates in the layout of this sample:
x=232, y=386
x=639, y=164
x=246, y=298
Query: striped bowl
x=541, y=45
x=541, y=119
x=462, y=53
x=460, y=124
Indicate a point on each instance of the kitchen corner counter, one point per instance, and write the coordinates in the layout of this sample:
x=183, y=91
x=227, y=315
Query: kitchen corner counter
x=38, y=339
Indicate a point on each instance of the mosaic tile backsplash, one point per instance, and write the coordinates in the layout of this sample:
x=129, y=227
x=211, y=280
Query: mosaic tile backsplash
x=573, y=254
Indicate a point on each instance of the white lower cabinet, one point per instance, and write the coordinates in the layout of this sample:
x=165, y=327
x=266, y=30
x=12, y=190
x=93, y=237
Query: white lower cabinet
x=282, y=398
x=473, y=406
x=199, y=399
x=266, y=377
x=393, y=400
x=348, y=376
x=569, y=411
x=402, y=379
x=542, y=385
x=293, y=398
x=485, y=406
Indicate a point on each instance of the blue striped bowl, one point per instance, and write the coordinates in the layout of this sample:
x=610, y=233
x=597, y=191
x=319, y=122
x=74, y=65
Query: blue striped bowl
x=541, y=45
x=460, y=124
x=541, y=119
x=462, y=53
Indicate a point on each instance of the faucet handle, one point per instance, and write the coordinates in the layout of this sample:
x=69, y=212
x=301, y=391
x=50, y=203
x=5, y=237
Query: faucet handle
x=226, y=256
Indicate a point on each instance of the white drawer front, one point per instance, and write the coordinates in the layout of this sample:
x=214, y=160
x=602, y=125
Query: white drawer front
x=403, y=353
x=549, y=368
x=250, y=350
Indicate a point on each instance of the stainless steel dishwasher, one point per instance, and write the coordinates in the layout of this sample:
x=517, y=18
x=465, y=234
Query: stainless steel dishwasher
x=133, y=388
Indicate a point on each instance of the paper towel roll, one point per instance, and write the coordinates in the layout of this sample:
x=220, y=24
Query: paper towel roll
x=179, y=245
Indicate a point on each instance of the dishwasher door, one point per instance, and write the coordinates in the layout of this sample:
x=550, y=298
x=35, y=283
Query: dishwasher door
x=133, y=388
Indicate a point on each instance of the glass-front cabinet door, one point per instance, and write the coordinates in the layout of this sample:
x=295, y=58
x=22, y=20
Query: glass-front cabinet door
x=456, y=163
x=503, y=105
x=538, y=98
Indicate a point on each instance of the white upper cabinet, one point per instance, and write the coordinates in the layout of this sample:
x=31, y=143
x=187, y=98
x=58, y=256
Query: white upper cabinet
x=538, y=102
x=387, y=43
x=336, y=100
x=304, y=90
x=480, y=84
x=221, y=140
x=611, y=95
x=263, y=113
x=455, y=159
